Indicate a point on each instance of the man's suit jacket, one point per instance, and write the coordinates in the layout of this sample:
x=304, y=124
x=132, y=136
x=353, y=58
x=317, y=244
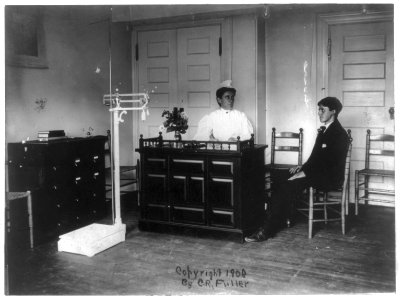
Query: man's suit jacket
x=325, y=166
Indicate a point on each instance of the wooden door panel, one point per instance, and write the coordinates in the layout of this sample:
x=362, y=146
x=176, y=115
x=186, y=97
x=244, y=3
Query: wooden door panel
x=157, y=75
x=198, y=71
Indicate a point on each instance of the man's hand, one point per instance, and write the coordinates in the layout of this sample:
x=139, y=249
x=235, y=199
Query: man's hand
x=295, y=169
x=297, y=175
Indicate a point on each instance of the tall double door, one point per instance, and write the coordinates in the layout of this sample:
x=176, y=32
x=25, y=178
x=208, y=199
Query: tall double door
x=178, y=67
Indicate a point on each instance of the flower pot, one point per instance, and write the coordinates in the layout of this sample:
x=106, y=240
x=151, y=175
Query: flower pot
x=177, y=136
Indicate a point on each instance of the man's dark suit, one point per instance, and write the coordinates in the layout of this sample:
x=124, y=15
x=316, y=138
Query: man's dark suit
x=324, y=170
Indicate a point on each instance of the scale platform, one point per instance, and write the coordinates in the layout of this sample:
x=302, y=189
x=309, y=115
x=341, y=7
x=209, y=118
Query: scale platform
x=92, y=239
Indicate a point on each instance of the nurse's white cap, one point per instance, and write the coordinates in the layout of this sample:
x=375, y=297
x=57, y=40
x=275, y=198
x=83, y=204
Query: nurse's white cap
x=226, y=84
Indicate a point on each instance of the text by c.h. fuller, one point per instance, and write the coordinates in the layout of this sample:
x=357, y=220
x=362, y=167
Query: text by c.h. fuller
x=212, y=278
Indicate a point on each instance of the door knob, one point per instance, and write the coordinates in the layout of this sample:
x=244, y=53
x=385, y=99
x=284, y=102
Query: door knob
x=391, y=112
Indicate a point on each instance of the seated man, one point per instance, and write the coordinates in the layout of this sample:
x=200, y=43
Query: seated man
x=323, y=170
x=226, y=123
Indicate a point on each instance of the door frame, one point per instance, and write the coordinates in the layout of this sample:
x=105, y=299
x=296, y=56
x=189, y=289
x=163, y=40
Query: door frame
x=323, y=23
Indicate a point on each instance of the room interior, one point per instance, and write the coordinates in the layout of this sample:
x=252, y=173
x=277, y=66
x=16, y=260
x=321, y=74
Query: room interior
x=277, y=58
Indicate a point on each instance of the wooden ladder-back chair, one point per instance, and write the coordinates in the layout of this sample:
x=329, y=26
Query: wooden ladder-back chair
x=375, y=146
x=278, y=144
x=333, y=203
x=128, y=174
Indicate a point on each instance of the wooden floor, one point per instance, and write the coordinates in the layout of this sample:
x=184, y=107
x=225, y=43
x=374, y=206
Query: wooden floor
x=187, y=263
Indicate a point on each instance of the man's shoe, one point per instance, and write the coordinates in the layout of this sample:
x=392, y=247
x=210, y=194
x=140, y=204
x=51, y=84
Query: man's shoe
x=258, y=236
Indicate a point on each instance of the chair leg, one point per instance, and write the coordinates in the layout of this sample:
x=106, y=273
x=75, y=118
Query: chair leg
x=347, y=197
x=30, y=218
x=356, y=191
x=325, y=195
x=310, y=212
x=343, y=209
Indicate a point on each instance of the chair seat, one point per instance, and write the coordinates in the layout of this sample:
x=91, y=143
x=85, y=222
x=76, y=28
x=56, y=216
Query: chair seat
x=279, y=166
x=127, y=168
x=377, y=172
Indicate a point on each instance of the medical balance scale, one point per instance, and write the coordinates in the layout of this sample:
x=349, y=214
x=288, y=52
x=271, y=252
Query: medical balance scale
x=95, y=238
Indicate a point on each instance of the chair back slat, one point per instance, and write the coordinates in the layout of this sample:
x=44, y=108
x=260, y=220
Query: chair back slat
x=372, y=147
x=298, y=136
x=381, y=152
x=288, y=135
x=286, y=148
x=382, y=138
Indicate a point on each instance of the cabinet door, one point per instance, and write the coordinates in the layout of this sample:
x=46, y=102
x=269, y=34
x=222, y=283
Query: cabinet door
x=187, y=190
x=222, y=192
x=154, y=201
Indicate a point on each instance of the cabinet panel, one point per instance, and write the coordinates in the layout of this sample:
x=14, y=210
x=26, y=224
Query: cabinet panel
x=222, y=218
x=180, y=166
x=221, y=168
x=155, y=188
x=188, y=215
x=221, y=193
x=187, y=190
x=156, y=164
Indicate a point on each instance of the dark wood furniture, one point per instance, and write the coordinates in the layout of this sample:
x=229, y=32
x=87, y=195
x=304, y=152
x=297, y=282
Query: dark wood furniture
x=66, y=178
x=215, y=186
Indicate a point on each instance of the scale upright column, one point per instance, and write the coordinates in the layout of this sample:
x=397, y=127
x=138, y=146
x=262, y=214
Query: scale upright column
x=116, y=161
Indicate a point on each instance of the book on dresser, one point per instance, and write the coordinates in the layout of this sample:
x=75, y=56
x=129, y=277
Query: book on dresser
x=51, y=133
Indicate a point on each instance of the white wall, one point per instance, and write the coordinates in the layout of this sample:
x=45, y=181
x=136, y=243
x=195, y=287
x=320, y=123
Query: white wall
x=76, y=42
x=291, y=99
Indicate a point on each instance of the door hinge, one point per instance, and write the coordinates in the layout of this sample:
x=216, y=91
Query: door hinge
x=136, y=52
x=220, y=46
x=329, y=48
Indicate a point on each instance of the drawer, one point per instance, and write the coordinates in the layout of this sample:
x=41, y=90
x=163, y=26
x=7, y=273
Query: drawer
x=27, y=154
x=221, y=218
x=156, y=165
x=189, y=215
x=221, y=168
x=187, y=166
x=155, y=212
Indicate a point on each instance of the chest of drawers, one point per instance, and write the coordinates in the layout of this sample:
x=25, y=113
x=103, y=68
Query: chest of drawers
x=67, y=181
